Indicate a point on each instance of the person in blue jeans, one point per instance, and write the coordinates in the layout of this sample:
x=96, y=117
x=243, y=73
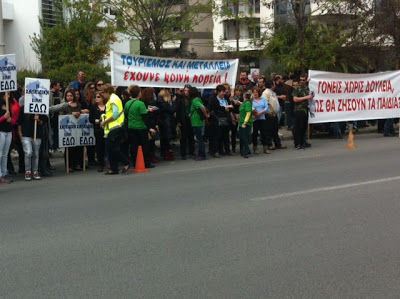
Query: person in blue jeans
x=198, y=114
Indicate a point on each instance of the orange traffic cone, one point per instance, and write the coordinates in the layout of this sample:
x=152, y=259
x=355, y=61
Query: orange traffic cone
x=350, y=143
x=140, y=167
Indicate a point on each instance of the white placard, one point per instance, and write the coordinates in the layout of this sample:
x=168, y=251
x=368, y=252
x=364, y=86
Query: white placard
x=8, y=69
x=37, y=96
x=85, y=131
x=147, y=71
x=75, y=131
x=347, y=97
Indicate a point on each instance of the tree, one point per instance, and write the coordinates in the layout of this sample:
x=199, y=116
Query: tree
x=153, y=22
x=82, y=37
x=334, y=37
x=386, y=22
x=323, y=49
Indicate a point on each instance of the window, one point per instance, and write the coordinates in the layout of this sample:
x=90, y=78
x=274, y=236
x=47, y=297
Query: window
x=49, y=12
x=246, y=31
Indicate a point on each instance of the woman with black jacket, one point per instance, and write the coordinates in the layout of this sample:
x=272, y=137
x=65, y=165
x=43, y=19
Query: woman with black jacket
x=220, y=109
x=183, y=104
x=148, y=97
x=95, y=117
x=166, y=123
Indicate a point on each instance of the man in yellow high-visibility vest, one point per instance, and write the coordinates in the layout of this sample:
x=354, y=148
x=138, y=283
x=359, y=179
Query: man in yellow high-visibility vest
x=113, y=129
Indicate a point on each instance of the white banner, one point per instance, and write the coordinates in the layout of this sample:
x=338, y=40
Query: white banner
x=37, y=96
x=347, y=97
x=75, y=132
x=148, y=71
x=8, y=69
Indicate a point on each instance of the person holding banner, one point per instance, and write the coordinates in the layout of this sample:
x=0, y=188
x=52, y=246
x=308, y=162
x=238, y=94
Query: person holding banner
x=6, y=123
x=75, y=153
x=301, y=95
x=26, y=132
x=113, y=129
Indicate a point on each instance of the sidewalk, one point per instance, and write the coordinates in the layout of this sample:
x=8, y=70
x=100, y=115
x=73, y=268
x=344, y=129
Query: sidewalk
x=287, y=134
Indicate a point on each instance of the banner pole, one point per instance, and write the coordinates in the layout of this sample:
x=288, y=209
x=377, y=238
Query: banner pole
x=35, y=131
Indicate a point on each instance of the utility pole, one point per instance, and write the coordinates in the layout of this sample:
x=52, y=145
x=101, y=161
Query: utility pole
x=2, y=45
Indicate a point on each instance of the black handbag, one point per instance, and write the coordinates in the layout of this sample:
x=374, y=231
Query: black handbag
x=223, y=121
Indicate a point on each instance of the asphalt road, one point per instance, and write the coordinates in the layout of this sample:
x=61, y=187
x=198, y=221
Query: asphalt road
x=317, y=223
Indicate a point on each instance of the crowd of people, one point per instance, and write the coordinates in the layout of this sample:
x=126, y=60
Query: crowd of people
x=126, y=118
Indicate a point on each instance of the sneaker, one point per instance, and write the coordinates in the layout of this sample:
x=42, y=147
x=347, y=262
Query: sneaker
x=4, y=180
x=36, y=176
x=9, y=178
x=198, y=158
x=217, y=155
x=28, y=176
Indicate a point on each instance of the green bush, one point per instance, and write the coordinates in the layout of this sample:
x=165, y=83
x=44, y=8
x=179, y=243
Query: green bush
x=24, y=73
x=68, y=72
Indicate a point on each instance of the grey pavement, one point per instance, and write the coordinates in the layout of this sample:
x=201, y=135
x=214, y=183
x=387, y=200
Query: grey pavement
x=317, y=223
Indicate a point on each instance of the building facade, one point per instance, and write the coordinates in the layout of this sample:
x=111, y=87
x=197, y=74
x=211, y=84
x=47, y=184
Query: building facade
x=21, y=22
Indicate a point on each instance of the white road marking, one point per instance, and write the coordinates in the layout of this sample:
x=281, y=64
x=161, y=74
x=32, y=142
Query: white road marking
x=239, y=164
x=344, y=186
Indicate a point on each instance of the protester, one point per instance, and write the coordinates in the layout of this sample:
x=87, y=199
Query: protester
x=75, y=154
x=98, y=84
x=245, y=123
x=55, y=99
x=138, y=126
x=88, y=95
x=260, y=105
x=301, y=95
x=80, y=83
x=166, y=123
x=220, y=108
x=15, y=109
x=26, y=132
x=183, y=105
x=7, y=120
x=244, y=81
x=113, y=129
x=272, y=117
x=197, y=115
x=254, y=78
x=147, y=96
x=237, y=101
x=86, y=102
x=97, y=110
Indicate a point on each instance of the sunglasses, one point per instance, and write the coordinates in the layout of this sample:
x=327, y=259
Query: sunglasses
x=99, y=84
x=98, y=97
x=92, y=87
